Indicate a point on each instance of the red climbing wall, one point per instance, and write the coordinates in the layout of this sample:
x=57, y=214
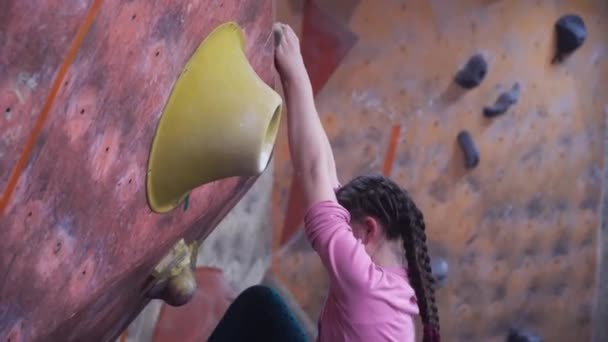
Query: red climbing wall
x=82, y=86
x=520, y=231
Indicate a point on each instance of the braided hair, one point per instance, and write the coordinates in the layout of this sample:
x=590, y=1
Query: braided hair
x=379, y=197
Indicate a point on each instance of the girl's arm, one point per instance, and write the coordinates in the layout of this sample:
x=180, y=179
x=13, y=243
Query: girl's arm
x=326, y=223
x=311, y=153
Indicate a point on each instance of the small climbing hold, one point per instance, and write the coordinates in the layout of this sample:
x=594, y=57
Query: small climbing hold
x=473, y=72
x=471, y=153
x=180, y=288
x=520, y=335
x=439, y=267
x=503, y=103
x=571, y=33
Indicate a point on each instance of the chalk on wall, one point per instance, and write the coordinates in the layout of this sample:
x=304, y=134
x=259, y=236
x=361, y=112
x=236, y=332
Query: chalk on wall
x=571, y=34
x=504, y=101
x=472, y=73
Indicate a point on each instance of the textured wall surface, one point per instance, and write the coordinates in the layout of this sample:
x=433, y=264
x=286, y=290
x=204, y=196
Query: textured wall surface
x=520, y=231
x=82, y=86
x=239, y=246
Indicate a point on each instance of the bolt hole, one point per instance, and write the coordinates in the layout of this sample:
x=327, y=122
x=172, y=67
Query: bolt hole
x=157, y=53
x=82, y=111
x=133, y=16
x=8, y=109
x=65, y=83
x=107, y=148
x=84, y=272
x=29, y=214
x=129, y=181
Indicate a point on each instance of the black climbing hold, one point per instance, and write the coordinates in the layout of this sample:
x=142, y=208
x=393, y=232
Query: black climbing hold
x=503, y=102
x=520, y=335
x=471, y=153
x=473, y=72
x=571, y=33
x=439, y=267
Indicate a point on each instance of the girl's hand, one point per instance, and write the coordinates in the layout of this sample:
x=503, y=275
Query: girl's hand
x=288, y=58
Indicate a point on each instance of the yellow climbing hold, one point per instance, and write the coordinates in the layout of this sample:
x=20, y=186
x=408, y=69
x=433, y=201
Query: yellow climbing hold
x=221, y=120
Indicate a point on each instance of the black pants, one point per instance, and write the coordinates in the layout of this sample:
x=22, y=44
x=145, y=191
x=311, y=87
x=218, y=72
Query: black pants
x=258, y=314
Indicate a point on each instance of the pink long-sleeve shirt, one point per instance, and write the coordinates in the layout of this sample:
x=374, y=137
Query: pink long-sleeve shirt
x=365, y=302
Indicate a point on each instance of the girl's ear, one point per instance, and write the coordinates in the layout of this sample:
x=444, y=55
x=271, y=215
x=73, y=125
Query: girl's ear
x=372, y=229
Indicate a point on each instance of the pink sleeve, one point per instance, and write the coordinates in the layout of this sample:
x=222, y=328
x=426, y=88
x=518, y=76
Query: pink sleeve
x=328, y=230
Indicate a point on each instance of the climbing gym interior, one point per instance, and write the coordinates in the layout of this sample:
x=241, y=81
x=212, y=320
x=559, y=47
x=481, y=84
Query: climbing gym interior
x=146, y=179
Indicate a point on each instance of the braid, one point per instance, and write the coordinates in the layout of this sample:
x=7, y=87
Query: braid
x=377, y=196
x=421, y=276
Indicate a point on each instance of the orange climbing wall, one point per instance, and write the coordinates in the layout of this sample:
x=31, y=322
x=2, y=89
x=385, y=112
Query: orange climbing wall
x=519, y=232
x=82, y=86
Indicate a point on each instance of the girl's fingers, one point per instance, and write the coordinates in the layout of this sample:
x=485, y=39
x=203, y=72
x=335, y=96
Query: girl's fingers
x=278, y=35
x=278, y=29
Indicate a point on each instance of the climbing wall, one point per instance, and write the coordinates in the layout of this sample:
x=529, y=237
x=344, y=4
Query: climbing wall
x=82, y=87
x=519, y=231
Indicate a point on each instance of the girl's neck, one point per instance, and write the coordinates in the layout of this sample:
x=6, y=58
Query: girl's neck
x=388, y=255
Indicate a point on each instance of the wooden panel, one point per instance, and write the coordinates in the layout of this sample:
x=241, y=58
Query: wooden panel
x=519, y=232
x=78, y=237
x=29, y=61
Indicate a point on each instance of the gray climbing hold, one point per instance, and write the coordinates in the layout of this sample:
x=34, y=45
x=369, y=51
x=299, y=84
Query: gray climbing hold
x=469, y=149
x=522, y=335
x=439, y=267
x=473, y=72
x=503, y=102
x=571, y=34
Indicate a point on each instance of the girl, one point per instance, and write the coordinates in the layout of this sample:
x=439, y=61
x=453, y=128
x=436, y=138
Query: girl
x=365, y=233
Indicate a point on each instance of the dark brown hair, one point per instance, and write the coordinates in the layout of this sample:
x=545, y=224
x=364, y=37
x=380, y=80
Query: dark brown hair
x=379, y=197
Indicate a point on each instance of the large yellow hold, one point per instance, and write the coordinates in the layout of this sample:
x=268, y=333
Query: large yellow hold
x=221, y=120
